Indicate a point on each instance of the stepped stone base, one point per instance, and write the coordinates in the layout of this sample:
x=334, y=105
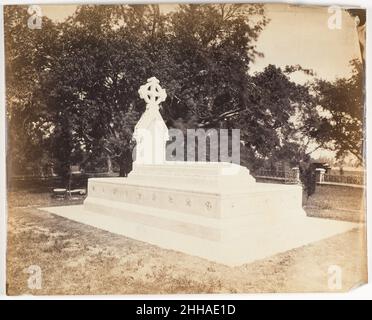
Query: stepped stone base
x=212, y=210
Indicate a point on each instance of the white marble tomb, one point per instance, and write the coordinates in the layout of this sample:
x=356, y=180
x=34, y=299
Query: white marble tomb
x=213, y=210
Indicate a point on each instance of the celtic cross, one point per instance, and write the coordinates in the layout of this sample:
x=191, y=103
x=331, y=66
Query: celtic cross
x=151, y=132
x=152, y=93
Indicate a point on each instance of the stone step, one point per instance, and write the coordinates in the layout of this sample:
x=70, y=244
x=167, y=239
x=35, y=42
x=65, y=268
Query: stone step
x=214, y=229
x=257, y=242
x=264, y=198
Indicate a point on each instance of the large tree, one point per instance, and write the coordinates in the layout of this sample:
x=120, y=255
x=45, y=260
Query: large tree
x=340, y=126
x=92, y=65
x=28, y=55
x=107, y=52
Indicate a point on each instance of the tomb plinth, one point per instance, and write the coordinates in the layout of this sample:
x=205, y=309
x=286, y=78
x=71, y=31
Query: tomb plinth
x=195, y=189
x=214, y=210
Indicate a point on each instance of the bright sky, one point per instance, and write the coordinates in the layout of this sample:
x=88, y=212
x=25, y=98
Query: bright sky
x=300, y=35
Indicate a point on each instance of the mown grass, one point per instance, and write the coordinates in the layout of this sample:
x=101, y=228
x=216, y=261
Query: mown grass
x=79, y=259
x=337, y=202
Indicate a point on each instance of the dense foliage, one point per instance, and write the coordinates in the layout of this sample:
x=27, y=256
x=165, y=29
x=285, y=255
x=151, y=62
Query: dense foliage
x=72, y=86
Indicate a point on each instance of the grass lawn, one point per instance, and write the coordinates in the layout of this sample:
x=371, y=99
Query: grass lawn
x=79, y=259
x=336, y=202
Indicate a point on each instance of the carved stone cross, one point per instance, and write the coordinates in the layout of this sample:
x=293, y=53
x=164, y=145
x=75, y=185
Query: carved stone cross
x=151, y=132
x=152, y=93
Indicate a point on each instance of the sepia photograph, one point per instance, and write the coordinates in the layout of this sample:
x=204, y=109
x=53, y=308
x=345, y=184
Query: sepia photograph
x=215, y=148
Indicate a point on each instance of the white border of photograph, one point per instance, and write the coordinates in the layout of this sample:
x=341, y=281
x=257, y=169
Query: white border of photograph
x=363, y=292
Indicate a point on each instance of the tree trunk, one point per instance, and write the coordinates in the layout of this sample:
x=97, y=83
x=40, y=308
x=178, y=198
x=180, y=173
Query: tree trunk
x=122, y=171
x=109, y=165
x=126, y=164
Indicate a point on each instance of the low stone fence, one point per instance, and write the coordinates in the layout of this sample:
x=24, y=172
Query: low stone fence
x=344, y=180
x=288, y=177
x=292, y=176
x=48, y=183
